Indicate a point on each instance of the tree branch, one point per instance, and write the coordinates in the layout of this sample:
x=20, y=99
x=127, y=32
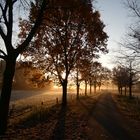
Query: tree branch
x=2, y=34
x=3, y=53
x=4, y=10
x=22, y=47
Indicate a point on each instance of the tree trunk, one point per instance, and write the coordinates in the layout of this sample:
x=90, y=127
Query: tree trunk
x=99, y=88
x=85, y=88
x=125, y=90
x=6, y=94
x=130, y=86
x=64, y=96
x=90, y=88
x=78, y=87
x=94, y=88
x=121, y=90
x=130, y=91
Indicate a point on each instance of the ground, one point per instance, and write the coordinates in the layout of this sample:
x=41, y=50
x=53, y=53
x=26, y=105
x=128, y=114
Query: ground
x=96, y=117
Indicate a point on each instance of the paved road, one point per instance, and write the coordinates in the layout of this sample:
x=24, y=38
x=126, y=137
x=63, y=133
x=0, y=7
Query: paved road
x=106, y=121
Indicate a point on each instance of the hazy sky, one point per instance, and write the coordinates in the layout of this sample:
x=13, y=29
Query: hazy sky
x=116, y=18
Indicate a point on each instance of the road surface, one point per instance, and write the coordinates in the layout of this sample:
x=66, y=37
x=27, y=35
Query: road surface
x=106, y=122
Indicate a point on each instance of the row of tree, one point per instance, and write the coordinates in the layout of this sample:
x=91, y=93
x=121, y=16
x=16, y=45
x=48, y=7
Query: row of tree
x=69, y=36
x=58, y=36
x=127, y=73
x=125, y=77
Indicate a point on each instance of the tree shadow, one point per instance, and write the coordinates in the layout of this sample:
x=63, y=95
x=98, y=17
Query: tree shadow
x=88, y=108
x=106, y=115
x=59, y=130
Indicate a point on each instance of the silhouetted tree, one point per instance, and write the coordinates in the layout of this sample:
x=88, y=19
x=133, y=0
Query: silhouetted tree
x=11, y=54
x=132, y=39
x=70, y=30
x=85, y=72
x=125, y=76
x=104, y=75
x=120, y=77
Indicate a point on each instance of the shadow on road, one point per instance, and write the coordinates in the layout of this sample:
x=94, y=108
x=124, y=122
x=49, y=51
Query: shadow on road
x=59, y=130
x=88, y=108
x=105, y=118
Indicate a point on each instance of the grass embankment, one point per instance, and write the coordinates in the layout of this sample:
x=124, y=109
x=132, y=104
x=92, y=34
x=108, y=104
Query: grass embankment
x=55, y=122
x=130, y=108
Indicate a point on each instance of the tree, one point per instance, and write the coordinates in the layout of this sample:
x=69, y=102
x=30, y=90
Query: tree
x=11, y=54
x=28, y=76
x=78, y=75
x=125, y=76
x=120, y=77
x=103, y=76
x=85, y=72
x=132, y=74
x=132, y=40
x=70, y=30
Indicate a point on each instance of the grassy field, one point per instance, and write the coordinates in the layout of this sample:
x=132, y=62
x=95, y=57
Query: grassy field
x=72, y=122
x=54, y=122
x=130, y=109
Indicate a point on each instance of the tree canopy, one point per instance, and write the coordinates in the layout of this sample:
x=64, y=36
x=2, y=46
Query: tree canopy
x=70, y=31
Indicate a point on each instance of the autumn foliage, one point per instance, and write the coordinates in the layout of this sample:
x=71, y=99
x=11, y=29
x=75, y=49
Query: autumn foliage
x=71, y=30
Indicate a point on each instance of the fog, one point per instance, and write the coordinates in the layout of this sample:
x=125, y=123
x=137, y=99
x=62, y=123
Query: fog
x=22, y=98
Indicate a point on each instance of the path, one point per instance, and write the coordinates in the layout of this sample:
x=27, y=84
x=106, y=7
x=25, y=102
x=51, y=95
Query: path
x=106, y=121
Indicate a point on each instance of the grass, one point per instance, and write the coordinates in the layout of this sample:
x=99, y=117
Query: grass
x=39, y=115
x=55, y=122
x=130, y=109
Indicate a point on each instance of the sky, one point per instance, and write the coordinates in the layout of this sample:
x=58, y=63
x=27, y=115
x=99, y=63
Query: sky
x=116, y=17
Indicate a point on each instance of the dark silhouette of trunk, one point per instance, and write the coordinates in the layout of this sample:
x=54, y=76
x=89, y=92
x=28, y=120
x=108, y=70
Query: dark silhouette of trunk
x=64, y=96
x=99, y=88
x=130, y=80
x=85, y=87
x=130, y=89
x=125, y=90
x=6, y=94
x=12, y=54
x=77, y=85
x=121, y=90
x=95, y=87
x=99, y=85
x=90, y=87
x=130, y=83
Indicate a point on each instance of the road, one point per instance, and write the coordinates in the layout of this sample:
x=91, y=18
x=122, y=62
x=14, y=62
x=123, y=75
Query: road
x=106, y=122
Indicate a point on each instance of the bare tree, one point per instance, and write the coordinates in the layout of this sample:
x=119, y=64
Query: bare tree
x=132, y=39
